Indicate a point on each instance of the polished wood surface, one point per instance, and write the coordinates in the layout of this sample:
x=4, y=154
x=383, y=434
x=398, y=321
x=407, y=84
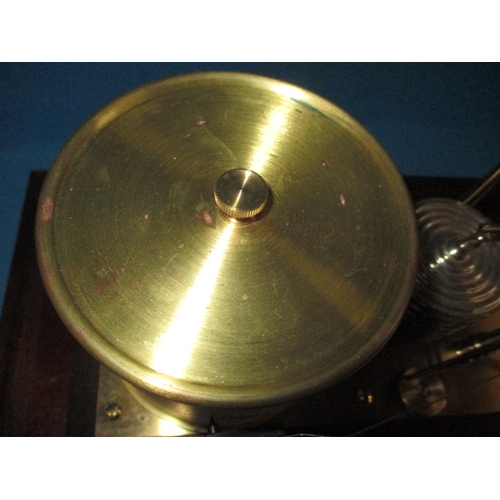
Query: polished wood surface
x=48, y=383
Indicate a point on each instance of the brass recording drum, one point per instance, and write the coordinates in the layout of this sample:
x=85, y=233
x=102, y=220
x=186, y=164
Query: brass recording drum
x=226, y=244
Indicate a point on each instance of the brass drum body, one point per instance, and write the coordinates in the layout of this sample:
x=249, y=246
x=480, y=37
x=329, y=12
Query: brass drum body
x=209, y=307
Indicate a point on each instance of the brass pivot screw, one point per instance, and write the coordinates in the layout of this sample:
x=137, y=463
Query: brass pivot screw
x=241, y=194
x=113, y=411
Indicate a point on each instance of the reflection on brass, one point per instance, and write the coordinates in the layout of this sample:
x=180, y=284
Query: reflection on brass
x=144, y=255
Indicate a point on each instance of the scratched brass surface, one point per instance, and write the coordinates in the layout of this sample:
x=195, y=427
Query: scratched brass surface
x=177, y=298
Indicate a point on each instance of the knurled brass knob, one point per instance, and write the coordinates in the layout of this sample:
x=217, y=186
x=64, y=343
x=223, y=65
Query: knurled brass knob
x=241, y=193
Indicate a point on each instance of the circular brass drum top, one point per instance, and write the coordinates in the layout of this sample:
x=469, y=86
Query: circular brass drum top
x=182, y=297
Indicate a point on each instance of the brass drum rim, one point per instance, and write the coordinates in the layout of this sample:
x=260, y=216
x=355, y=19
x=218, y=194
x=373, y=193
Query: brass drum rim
x=171, y=387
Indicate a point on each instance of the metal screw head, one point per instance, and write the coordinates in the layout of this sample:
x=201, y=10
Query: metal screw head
x=365, y=396
x=241, y=193
x=113, y=411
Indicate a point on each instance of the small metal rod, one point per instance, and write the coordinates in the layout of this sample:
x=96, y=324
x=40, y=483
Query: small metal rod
x=485, y=186
x=485, y=232
x=212, y=427
x=479, y=345
x=491, y=228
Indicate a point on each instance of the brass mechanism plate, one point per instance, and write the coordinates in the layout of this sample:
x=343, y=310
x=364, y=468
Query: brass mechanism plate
x=119, y=414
